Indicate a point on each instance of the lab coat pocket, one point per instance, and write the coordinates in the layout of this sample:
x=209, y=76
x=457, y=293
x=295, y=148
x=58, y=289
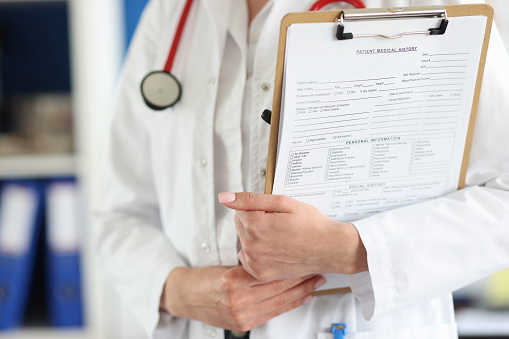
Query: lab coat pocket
x=441, y=331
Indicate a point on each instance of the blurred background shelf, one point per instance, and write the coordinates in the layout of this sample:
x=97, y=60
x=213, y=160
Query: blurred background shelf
x=31, y=165
x=59, y=64
x=46, y=333
x=477, y=322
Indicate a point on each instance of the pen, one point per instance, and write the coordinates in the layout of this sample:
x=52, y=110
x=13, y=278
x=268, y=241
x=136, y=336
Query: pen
x=339, y=330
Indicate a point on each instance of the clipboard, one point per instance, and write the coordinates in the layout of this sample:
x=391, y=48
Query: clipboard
x=342, y=18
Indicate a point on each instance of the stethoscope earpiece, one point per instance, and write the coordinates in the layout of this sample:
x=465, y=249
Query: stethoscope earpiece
x=160, y=90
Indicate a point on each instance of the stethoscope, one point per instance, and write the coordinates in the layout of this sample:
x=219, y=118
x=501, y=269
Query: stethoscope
x=161, y=89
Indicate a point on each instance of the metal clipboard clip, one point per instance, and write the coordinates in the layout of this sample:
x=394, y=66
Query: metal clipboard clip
x=391, y=13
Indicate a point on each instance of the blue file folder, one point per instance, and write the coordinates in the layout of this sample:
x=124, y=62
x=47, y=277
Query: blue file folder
x=65, y=295
x=21, y=208
x=63, y=254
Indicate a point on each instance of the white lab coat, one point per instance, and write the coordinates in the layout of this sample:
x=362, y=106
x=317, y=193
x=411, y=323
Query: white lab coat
x=158, y=206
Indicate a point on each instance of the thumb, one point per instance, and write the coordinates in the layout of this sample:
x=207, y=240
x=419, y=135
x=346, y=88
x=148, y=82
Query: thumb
x=248, y=201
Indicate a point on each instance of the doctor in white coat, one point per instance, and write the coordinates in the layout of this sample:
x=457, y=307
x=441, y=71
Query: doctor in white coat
x=170, y=248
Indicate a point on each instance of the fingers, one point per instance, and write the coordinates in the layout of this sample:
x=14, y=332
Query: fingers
x=262, y=319
x=272, y=288
x=279, y=303
x=248, y=201
x=274, y=313
x=256, y=291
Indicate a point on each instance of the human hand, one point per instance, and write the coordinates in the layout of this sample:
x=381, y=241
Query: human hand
x=230, y=298
x=284, y=238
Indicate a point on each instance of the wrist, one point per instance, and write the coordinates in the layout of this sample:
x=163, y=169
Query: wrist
x=171, y=296
x=360, y=256
x=349, y=254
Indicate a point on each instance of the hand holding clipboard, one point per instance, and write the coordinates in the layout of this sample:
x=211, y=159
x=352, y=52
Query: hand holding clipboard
x=368, y=123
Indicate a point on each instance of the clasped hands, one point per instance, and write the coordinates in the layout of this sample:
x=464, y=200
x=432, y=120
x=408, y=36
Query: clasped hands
x=286, y=244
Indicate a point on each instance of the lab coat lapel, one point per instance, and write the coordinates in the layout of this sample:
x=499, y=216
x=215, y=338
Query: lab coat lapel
x=219, y=12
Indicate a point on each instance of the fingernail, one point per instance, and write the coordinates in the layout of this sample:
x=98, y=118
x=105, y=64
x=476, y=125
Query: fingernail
x=307, y=299
x=320, y=282
x=226, y=197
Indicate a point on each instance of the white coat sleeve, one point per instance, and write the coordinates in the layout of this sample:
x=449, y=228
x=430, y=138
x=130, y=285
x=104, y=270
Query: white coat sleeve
x=422, y=251
x=135, y=256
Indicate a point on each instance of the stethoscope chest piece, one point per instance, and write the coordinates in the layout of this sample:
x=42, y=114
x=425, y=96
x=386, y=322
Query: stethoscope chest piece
x=160, y=90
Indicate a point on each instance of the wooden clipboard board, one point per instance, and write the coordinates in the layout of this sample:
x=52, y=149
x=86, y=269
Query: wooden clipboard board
x=332, y=16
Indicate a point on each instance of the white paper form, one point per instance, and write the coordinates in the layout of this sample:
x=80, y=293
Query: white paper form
x=371, y=124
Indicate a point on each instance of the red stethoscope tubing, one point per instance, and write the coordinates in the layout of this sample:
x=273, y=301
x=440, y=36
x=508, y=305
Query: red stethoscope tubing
x=185, y=13
x=322, y=3
x=178, y=35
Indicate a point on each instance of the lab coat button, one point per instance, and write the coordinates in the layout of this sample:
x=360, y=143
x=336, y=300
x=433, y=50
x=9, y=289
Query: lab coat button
x=211, y=332
x=212, y=81
x=206, y=248
x=265, y=86
x=202, y=162
x=263, y=172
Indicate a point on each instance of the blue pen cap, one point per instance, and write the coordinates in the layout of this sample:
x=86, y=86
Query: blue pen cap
x=339, y=330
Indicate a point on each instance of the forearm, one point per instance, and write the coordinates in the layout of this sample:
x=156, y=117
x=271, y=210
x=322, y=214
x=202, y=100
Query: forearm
x=170, y=295
x=419, y=252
